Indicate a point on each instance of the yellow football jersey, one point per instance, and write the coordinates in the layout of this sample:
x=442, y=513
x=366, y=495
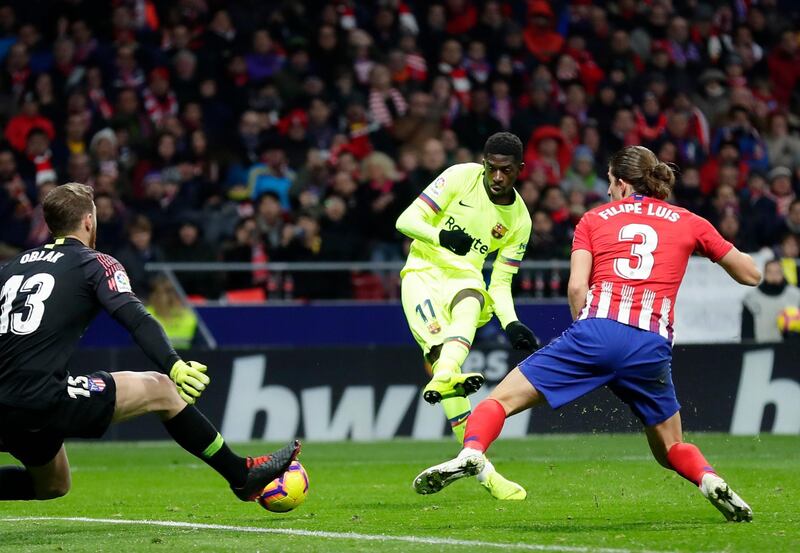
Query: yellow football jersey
x=458, y=199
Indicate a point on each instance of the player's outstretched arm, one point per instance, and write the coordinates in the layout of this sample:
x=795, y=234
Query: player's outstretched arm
x=741, y=267
x=416, y=223
x=580, y=269
x=190, y=378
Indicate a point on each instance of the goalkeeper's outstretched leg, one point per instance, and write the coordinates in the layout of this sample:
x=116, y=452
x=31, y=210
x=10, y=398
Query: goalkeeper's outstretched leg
x=139, y=393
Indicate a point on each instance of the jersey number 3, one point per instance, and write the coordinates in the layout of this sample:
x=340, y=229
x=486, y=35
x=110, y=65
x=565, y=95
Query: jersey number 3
x=642, y=251
x=38, y=288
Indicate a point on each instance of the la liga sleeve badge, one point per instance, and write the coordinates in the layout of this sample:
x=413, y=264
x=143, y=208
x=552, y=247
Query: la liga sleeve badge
x=122, y=281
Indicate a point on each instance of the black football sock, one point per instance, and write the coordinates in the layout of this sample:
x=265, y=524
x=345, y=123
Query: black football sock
x=194, y=433
x=16, y=483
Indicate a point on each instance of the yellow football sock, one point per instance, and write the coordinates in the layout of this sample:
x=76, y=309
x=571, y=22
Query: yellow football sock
x=460, y=333
x=457, y=409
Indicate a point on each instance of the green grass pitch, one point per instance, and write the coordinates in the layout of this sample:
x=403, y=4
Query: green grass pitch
x=587, y=493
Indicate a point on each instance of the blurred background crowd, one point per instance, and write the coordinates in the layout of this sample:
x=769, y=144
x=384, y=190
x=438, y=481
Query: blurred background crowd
x=297, y=131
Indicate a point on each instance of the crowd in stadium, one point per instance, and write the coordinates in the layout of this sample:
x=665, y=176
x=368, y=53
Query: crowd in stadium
x=298, y=131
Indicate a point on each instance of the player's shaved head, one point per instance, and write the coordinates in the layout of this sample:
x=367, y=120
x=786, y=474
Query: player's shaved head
x=66, y=206
x=504, y=143
x=502, y=163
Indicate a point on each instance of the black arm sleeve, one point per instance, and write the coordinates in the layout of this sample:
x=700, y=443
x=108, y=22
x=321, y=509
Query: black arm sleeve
x=148, y=334
x=748, y=324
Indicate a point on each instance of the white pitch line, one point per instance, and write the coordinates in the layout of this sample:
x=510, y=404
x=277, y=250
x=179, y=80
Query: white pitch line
x=336, y=535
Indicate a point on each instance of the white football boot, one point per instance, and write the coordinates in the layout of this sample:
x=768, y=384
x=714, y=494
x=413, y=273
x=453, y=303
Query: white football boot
x=725, y=499
x=468, y=463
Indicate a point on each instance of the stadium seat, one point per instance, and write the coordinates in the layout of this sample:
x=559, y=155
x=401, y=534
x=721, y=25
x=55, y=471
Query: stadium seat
x=246, y=295
x=367, y=286
x=196, y=299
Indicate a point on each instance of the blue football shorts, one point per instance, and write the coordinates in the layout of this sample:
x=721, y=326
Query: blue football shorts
x=635, y=364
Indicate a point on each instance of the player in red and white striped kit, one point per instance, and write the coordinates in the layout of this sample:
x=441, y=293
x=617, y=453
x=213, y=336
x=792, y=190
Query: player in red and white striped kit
x=628, y=259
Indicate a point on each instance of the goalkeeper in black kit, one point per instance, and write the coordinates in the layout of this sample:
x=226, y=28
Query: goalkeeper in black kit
x=48, y=296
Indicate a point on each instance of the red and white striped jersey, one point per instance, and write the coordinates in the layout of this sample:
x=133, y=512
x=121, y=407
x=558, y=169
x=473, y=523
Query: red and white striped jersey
x=640, y=247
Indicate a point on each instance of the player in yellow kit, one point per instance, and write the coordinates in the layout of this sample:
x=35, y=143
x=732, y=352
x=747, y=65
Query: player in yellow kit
x=468, y=212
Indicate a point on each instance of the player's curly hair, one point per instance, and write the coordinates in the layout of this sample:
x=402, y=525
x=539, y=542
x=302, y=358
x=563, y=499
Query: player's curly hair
x=504, y=143
x=641, y=168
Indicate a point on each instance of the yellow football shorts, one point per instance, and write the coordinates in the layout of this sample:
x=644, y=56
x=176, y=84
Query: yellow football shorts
x=427, y=296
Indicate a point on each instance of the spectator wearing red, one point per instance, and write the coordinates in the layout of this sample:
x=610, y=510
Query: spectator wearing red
x=38, y=163
x=462, y=16
x=784, y=67
x=591, y=74
x=415, y=65
x=542, y=41
x=728, y=154
x=451, y=65
x=98, y=100
x=20, y=126
x=386, y=104
x=159, y=100
x=554, y=202
x=548, y=150
x=292, y=129
x=651, y=122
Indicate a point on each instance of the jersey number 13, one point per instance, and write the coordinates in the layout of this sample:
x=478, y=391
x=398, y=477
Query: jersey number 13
x=38, y=288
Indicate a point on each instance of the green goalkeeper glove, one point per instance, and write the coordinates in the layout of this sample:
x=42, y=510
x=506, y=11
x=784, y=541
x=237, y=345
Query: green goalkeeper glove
x=190, y=378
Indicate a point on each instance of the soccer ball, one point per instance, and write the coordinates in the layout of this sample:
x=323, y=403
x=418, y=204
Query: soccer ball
x=286, y=492
x=789, y=320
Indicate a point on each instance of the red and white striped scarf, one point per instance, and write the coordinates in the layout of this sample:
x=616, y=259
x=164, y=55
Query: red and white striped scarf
x=378, y=110
x=159, y=108
x=98, y=98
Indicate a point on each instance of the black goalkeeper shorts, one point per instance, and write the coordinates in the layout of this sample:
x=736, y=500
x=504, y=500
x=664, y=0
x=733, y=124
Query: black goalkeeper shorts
x=83, y=410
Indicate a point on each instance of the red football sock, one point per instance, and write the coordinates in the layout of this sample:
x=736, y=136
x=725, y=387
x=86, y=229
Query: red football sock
x=687, y=461
x=484, y=424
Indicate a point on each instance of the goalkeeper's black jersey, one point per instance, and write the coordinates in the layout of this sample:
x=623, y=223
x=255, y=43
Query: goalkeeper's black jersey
x=48, y=296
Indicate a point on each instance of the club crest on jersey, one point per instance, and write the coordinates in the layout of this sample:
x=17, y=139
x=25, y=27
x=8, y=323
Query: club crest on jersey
x=499, y=231
x=96, y=385
x=434, y=327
